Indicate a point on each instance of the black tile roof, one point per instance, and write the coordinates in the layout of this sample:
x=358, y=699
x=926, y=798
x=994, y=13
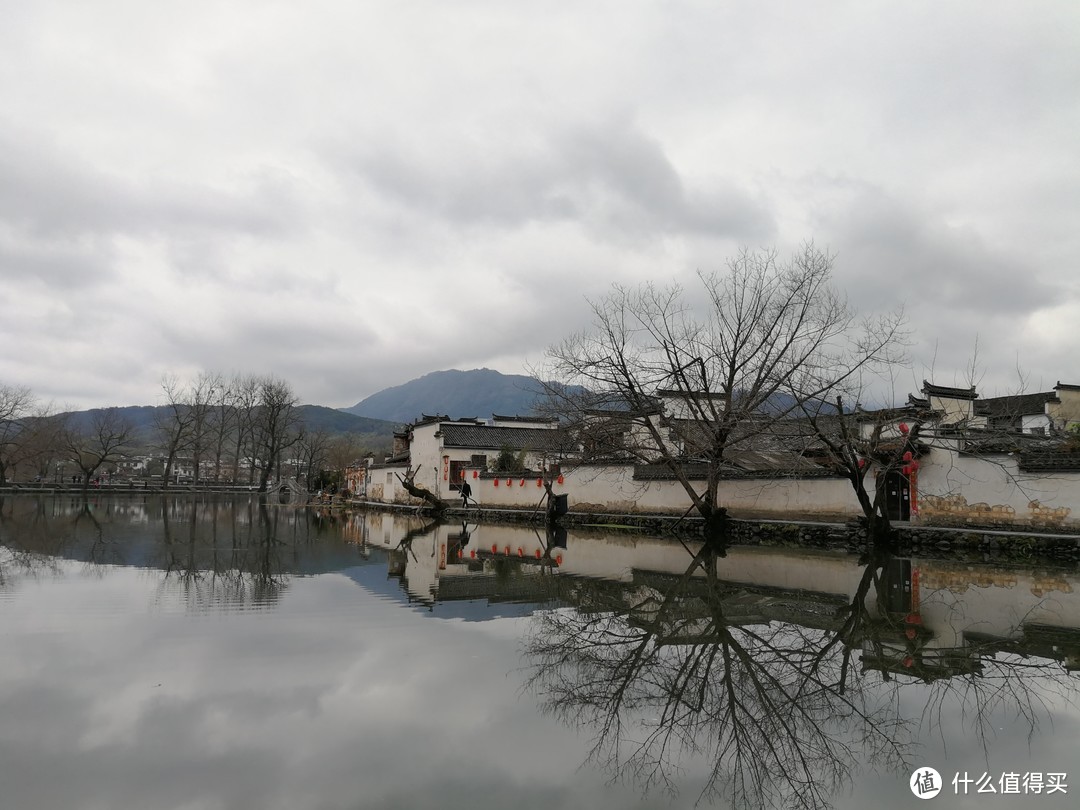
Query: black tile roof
x=1016, y=405
x=1061, y=461
x=484, y=437
x=740, y=464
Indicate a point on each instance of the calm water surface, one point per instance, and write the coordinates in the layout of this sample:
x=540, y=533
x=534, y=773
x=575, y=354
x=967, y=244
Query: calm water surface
x=222, y=654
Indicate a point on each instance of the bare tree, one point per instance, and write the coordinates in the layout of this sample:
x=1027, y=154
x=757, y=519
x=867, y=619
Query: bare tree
x=24, y=429
x=691, y=387
x=105, y=440
x=224, y=421
x=172, y=424
x=276, y=425
x=312, y=452
x=202, y=395
x=245, y=403
x=344, y=450
x=869, y=449
x=435, y=504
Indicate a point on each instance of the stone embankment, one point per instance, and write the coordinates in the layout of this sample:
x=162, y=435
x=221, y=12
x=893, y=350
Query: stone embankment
x=970, y=544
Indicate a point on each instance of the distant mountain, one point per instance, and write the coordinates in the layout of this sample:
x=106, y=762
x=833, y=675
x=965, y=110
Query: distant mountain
x=479, y=392
x=376, y=434
x=333, y=420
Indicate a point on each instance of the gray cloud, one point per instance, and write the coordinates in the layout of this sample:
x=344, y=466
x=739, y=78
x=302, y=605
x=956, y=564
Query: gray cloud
x=893, y=251
x=412, y=187
x=614, y=178
x=50, y=195
x=967, y=298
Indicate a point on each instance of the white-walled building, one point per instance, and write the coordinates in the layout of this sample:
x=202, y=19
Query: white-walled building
x=971, y=466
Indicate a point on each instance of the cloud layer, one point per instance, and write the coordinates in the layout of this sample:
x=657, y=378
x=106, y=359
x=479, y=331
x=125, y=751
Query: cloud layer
x=350, y=197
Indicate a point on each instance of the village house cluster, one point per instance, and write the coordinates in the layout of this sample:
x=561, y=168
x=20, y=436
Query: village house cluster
x=1002, y=461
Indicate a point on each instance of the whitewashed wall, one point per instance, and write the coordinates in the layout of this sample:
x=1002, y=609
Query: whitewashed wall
x=426, y=455
x=613, y=489
x=953, y=487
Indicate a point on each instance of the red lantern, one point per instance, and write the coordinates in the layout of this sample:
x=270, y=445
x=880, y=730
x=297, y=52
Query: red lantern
x=494, y=549
x=509, y=483
x=539, y=482
x=558, y=559
x=475, y=473
x=904, y=428
x=521, y=483
x=496, y=482
x=538, y=554
x=908, y=456
x=560, y=479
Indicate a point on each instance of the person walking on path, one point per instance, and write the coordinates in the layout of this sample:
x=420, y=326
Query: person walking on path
x=466, y=493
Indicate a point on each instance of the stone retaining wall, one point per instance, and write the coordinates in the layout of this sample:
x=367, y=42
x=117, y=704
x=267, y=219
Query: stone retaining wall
x=963, y=544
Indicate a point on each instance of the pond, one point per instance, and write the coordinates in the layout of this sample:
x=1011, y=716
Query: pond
x=216, y=653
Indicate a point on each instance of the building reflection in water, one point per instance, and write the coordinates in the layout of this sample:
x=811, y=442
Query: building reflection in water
x=784, y=670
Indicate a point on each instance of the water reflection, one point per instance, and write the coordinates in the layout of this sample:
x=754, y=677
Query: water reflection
x=758, y=683
x=789, y=671
x=770, y=677
x=212, y=552
x=788, y=691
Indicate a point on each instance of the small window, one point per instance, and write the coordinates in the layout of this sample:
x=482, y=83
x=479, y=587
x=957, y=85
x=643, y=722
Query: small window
x=478, y=461
x=389, y=478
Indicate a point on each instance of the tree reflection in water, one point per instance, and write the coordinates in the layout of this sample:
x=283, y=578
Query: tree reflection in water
x=761, y=684
x=225, y=554
x=232, y=552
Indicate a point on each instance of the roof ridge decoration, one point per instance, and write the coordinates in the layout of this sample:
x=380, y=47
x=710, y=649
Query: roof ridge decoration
x=930, y=389
x=540, y=419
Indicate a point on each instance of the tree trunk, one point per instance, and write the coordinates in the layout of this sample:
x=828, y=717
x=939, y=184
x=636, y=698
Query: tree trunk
x=434, y=501
x=717, y=530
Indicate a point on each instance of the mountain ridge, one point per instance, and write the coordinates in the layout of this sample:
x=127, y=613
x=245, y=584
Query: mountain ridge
x=457, y=393
x=377, y=432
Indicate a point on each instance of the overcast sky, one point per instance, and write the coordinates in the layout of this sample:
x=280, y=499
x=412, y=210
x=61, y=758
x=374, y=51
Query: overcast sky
x=352, y=194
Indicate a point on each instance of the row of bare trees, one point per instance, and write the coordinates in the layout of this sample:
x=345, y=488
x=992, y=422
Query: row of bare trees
x=234, y=429
x=33, y=439
x=19, y=441
x=235, y=426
